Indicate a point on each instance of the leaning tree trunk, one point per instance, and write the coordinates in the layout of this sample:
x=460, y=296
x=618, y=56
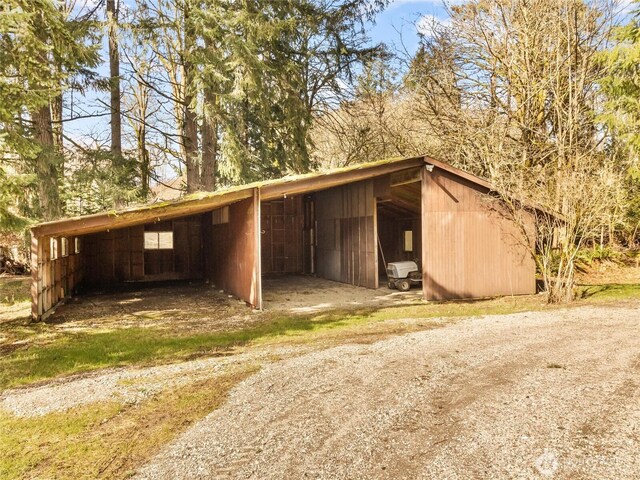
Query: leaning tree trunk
x=143, y=158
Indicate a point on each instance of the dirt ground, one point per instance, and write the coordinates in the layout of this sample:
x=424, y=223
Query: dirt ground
x=199, y=306
x=551, y=394
x=179, y=305
x=305, y=294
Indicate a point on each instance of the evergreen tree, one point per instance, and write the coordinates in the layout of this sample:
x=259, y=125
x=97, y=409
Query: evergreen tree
x=39, y=51
x=622, y=87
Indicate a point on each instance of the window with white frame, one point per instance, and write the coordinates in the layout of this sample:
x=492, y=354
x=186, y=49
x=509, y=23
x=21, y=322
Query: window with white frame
x=53, y=248
x=158, y=240
x=76, y=245
x=64, y=246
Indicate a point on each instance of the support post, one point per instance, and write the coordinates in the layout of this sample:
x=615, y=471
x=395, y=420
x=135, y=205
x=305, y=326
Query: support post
x=36, y=278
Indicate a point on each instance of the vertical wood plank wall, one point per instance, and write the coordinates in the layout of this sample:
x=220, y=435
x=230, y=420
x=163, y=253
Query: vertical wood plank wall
x=53, y=279
x=346, y=248
x=469, y=250
x=119, y=255
x=281, y=237
x=235, y=252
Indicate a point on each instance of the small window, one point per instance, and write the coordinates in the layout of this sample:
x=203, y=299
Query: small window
x=158, y=240
x=408, y=240
x=53, y=248
x=220, y=216
x=64, y=246
x=76, y=245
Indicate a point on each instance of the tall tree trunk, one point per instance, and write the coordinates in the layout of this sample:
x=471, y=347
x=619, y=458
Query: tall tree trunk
x=45, y=164
x=45, y=167
x=143, y=158
x=190, y=139
x=209, y=142
x=114, y=79
x=56, y=118
x=190, y=131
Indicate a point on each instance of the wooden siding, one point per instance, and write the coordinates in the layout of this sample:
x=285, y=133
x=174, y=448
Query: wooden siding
x=53, y=279
x=469, y=249
x=119, y=255
x=281, y=241
x=234, y=258
x=346, y=248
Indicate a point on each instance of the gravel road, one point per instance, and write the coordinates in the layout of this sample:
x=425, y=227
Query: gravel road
x=535, y=395
x=127, y=385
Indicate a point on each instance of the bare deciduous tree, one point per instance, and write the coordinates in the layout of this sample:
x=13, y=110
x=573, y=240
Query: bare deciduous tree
x=510, y=89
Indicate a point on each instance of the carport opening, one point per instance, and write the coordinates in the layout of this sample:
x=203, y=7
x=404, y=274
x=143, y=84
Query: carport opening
x=165, y=251
x=399, y=228
x=343, y=235
x=215, y=247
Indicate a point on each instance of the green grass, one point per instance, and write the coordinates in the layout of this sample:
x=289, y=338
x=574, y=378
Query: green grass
x=59, y=353
x=74, y=352
x=111, y=440
x=610, y=292
x=105, y=440
x=14, y=291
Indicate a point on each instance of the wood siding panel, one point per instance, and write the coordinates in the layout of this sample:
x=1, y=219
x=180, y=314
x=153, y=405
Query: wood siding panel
x=235, y=252
x=52, y=279
x=119, y=256
x=282, y=235
x=469, y=249
x=346, y=234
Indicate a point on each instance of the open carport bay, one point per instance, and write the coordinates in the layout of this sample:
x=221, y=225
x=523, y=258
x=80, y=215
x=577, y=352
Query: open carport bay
x=198, y=305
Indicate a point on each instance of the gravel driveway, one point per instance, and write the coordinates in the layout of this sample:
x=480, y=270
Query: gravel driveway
x=534, y=395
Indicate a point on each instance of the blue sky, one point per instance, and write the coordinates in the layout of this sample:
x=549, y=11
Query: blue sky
x=396, y=25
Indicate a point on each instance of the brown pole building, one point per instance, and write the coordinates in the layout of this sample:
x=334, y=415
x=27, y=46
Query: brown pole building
x=331, y=224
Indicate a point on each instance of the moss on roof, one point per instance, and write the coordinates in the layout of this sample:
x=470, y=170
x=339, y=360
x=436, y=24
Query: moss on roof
x=198, y=196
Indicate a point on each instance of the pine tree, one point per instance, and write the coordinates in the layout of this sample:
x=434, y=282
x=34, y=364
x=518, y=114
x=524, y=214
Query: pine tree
x=39, y=51
x=622, y=87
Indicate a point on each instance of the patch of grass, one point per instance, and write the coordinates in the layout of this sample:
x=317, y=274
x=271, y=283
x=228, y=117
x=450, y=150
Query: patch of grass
x=54, y=352
x=15, y=291
x=610, y=292
x=106, y=440
x=74, y=352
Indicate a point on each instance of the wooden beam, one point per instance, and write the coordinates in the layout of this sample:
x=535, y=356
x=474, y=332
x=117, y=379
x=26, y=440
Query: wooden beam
x=401, y=203
x=35, y=278
x=457, y=172
x=405, y=176
x=257, y=266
